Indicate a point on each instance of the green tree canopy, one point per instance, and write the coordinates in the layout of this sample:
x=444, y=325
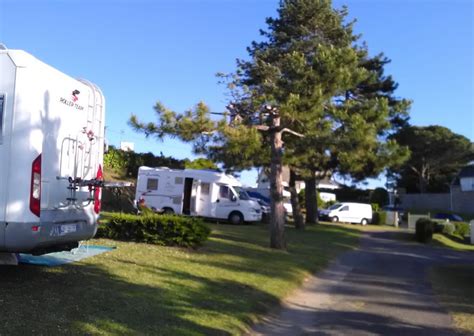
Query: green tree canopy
x=310, y=76
x=437, y=155
x=200, y=163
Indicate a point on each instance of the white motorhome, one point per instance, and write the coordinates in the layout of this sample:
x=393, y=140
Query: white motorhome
x=348, y=212
x=51, y=152
x=203, y=193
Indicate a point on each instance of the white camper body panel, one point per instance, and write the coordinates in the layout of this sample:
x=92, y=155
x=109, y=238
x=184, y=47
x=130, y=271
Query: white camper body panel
x=50, y=115
x=194, y=192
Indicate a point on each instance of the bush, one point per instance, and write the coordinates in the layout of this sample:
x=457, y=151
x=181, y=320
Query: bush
x=157, y=229
x=379, y=218
x=375, y=207
x=461, y=229
x=444, y=227
x=424, y=230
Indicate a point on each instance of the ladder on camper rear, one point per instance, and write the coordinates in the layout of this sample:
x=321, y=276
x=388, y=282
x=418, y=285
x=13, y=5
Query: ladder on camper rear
x=93, y=130
x=87, y=153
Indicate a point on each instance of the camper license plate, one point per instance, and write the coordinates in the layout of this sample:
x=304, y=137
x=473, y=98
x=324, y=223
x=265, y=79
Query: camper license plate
x=67, y=228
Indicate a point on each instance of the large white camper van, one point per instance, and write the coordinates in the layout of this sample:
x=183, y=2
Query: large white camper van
x=51, y=152
x=203, y=193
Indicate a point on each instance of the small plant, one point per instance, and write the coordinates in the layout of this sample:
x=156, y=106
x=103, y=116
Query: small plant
x=157, y=229
x=424, y=230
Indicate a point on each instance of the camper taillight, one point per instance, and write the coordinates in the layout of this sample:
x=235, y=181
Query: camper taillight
x=35, y=192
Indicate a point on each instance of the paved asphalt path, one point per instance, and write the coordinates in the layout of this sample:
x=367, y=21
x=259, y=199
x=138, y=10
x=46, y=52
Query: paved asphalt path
x=381, y=288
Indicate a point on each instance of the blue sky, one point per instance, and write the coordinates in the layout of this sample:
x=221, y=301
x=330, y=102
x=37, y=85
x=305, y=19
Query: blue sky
x=140, y=51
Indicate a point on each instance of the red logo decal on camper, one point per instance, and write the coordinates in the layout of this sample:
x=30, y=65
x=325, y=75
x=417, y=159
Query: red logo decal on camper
x=75, y=98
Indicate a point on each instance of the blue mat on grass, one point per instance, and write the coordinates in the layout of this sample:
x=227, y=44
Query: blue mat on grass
x=60, y=258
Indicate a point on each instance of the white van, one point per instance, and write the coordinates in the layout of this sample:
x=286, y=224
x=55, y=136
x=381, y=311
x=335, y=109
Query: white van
x=348, y=212
x=193, y=192
x=51, y=152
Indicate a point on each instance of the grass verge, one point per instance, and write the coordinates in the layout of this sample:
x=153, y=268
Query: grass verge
x=142, y=289
x=442, y=240
x=454, y=287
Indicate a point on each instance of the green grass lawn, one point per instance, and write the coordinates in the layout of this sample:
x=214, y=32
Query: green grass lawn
x=442, y=240
x=144, y=289
x=454, y=286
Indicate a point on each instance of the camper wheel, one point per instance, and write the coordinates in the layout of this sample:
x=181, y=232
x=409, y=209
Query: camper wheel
x=168, y=211
x=236, y=218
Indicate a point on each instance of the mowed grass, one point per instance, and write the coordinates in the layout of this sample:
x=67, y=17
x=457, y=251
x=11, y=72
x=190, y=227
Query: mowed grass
x=141, y=289
x=454, y=286
x=442, y=240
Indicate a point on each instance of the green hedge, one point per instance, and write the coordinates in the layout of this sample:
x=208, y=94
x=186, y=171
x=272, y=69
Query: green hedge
x=379, y=218
x=462, y=229
x=444, y=227
x=424, y=230
x=157, y=229
x=457, y=229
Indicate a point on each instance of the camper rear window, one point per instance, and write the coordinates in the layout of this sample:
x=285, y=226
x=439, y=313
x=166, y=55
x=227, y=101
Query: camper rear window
x=152, y=184
x=2, y=99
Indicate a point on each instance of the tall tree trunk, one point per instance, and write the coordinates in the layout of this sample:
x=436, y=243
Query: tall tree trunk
x=311, y=200
x=295, y=203
x=277, y=217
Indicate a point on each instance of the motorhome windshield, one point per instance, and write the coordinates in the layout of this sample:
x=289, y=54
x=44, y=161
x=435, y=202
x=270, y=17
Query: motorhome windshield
x=242, y=193
x=335, y=206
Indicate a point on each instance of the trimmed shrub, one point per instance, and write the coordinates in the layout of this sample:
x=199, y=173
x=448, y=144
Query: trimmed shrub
x=170, y=230
x=444, y=227
x=424, y=230
x=379, y=218
x=461, y=229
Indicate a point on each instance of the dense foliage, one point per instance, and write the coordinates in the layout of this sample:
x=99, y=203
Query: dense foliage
x=379, y=218
x=437, y=156
x=157, y=229
x=127, y=162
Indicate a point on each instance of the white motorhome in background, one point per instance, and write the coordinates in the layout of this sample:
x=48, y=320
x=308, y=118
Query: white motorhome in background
x=51, y=153
x=193, y=192
x=348, y=212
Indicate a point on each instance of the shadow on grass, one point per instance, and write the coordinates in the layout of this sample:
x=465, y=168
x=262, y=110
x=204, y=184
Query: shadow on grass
x=129, y=292
x=85, y=299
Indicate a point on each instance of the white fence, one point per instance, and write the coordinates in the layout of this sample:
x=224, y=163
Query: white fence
x=413, y=218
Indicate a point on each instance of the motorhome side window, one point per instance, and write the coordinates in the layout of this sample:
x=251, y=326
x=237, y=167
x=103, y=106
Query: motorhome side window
x=205, y=187
x=152, y=184
x=224, y=192
x=2, y=100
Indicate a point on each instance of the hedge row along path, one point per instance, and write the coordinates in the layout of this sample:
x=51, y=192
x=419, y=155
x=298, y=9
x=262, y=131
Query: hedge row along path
x=382, y=288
